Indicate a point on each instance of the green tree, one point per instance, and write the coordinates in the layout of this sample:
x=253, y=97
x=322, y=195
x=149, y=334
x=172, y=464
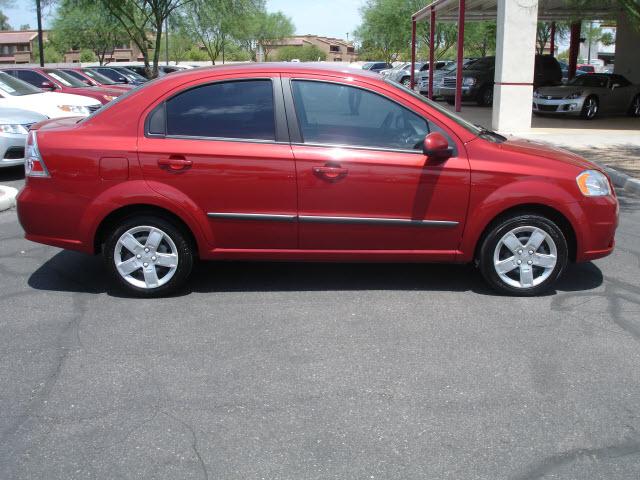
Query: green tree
x=87, y=55
x=51, y=53
x=4, y=22
x=261, y=29
x=306, y=53
x=179, y=46
x=543, y=34
x=479, y=38
x=141, y=18
x=212, y=23
x=88, y=26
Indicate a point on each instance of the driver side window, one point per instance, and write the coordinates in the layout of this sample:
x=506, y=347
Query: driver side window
x=334, y=114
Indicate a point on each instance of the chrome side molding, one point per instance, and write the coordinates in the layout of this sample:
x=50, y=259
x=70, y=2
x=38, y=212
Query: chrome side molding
x=408, y=222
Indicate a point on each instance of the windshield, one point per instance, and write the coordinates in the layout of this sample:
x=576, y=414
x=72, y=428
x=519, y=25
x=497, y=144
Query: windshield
x=474, y=129
x=98, y=77
x=14, y=87
x=65, y=79
x=597, y=81
x=130, y=74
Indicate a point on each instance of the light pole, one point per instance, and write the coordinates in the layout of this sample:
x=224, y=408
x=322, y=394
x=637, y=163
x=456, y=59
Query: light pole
x=166, y=38
x=40, y=41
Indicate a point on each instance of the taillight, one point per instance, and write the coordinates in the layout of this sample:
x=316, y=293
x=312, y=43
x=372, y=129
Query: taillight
x=33, y=164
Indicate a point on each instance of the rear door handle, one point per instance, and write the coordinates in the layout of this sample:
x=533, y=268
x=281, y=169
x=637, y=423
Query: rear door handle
x=175, y=162
x=330, y=173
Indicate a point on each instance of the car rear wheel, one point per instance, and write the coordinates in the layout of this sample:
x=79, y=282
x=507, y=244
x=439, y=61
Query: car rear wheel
x=590, y=108
x=148, y=256
x=634, y=109
x=523, y=255
x=406, y=81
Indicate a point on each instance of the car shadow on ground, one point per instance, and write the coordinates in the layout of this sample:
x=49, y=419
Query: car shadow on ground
x=10, y=174
x=74, y=272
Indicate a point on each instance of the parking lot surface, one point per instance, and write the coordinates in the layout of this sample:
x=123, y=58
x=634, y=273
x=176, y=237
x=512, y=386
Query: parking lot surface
x=317, y=371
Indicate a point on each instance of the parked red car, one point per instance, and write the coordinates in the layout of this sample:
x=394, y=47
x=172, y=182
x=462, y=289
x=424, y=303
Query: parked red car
x=301, y=162
x=56, y=80
x=96, y=79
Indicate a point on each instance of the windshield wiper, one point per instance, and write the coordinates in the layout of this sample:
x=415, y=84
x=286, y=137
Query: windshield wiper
x=485, y=132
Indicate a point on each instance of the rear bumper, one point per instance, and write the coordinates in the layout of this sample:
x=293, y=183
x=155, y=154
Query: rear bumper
x=39, y=212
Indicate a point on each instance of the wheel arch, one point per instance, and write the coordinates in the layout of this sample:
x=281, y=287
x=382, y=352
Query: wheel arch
x=126, y=211
x=551, y=213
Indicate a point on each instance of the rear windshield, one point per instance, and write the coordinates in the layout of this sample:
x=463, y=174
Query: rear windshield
x=16, y=88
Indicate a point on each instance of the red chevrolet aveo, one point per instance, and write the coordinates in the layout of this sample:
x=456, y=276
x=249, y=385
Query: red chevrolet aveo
x=303, y=162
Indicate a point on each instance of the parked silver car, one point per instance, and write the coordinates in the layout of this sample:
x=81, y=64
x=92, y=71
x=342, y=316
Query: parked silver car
x=14, y=126
x=446, y=70
x=589, y=95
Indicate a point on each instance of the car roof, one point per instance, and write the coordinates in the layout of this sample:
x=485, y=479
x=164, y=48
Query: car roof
x=279, y=67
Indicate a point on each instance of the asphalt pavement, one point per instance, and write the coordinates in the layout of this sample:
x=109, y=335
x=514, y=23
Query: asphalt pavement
x=317, y=371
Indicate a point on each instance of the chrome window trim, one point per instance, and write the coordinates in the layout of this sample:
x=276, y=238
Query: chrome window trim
x=253, y=216
x=408, y=222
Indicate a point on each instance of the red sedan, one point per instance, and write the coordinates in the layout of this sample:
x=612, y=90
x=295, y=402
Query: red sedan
x=56, y=80
x=302, y=162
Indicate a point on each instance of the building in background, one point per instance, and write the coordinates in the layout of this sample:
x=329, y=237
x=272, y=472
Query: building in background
x=19, y=46
x=336, y=49
x=122, y=53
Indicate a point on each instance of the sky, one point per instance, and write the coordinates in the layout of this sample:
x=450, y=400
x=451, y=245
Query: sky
x=331, y=18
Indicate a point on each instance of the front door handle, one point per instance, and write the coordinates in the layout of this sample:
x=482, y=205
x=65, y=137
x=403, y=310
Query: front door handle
x=175, y=162
x=330, y=173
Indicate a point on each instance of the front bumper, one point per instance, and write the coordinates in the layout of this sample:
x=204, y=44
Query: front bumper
x=562, y=106
x=12, y=149
x=467, y=92
x=598, y=222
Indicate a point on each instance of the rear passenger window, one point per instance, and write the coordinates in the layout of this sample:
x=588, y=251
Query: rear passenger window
x=238, y=109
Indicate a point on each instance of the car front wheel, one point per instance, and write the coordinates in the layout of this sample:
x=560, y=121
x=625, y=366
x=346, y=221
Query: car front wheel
x=590, y=108
x=523, y=255
x=148, y=256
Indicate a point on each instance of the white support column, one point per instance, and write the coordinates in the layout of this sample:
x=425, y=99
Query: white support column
x=627, y=42
x=515, y=59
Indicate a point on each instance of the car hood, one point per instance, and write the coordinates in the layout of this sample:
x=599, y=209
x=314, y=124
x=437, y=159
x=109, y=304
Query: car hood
x=560, y=90
x=19, y=116
x=55, y=98
x=539, y=149
x=96, y=91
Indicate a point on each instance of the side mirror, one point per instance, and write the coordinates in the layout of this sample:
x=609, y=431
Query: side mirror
x=614, y=86
x=436, y=146
x=47, y=85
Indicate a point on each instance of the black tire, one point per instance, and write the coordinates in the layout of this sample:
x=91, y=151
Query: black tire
x=485, y=97
x=180, y=239
x=502, y=227
x=406, y=81
x=586, y=113
x=450, y=100
x=634, y=108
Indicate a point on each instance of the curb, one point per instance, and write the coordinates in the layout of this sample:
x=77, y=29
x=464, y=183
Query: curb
x=623, y=181
x=7, y=197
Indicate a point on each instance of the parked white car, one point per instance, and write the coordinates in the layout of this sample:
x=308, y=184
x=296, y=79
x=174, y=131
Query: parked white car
x=14, y=127
x=15, y=93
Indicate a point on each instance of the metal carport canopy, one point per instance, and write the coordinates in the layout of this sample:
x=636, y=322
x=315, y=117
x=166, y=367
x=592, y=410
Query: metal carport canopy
x=447, y=10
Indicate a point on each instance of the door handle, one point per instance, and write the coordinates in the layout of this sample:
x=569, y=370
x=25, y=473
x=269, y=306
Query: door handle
x=330, y=173
x=175, y=162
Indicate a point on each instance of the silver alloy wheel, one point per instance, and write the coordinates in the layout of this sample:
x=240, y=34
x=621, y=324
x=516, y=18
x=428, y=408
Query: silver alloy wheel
x=146, y=257
x=406, y=81
x=525, y=257
x=592, y=107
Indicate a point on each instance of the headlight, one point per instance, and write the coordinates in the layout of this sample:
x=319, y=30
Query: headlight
x=108, y=98
x=468, y=81
x=74, y=109
x=13, y=128
x=574, y=95
x=593, y=184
